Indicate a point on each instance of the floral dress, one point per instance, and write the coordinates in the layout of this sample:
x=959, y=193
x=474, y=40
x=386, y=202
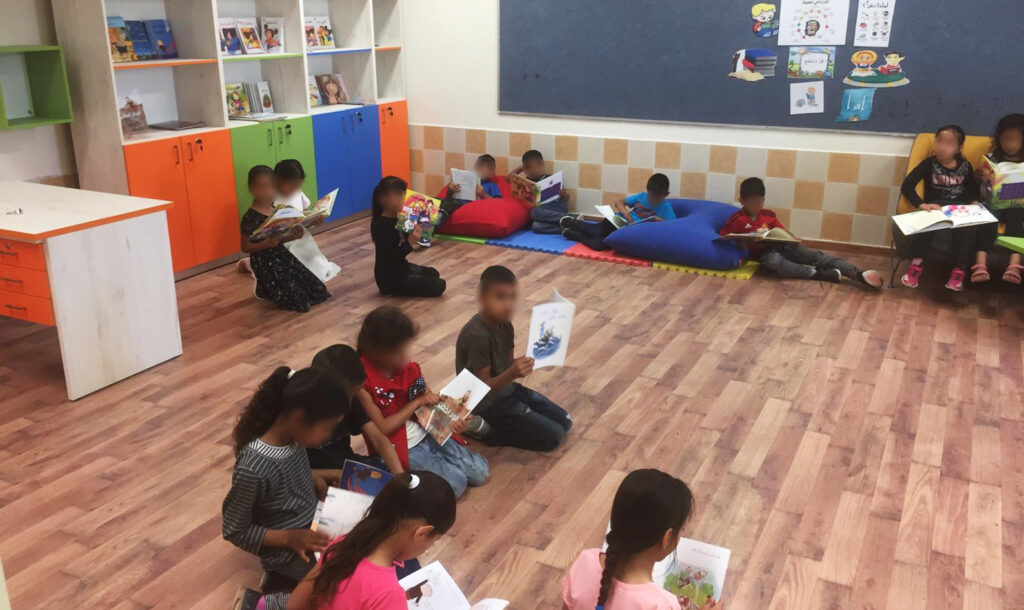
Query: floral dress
x=280, y=277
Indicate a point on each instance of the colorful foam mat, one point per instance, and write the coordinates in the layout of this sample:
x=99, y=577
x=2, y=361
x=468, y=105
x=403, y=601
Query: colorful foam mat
x=743, y=272
x=608, y=256
x=528, y=240
x=463, y=238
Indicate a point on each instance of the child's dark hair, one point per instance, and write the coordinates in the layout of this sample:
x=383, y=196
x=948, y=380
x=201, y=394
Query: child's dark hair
x=385, y=328
x=1008, y=122
x=751, y=187
x=958, y=133
x=532, y=154
x=496, y=274
x=342, y=363
x=413, y=495
x=289, y=169
x=658, y=184
x=259, y=170
x=648, y=503
x=487, y=159
x=386, y=186
x=312, y=391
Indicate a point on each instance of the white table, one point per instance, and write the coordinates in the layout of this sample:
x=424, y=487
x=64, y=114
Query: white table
x=98, y=267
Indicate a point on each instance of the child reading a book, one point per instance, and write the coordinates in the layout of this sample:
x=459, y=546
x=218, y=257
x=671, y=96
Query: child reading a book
x=357, y=571
x=1007, y=146
x=273, y=495
x=545, y=216
x=510, y=414
x=342, y=363
x=648, y=514
x=649, y=205
x=394, y=275
x=948, y=179
x=788, y=259
x=289, y=177
x=280, y=277
x=395, y=388
x=487, y=189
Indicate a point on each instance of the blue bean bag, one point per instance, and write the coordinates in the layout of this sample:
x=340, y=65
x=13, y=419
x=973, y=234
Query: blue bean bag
x=689, y=240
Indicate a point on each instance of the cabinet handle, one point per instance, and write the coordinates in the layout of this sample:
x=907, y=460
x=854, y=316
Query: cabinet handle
x=288, y=129
x=12, y=280
x=190, y=157
x=199, y=143
x=391, y=111
x=8, y=253
x=177, y=156
x=270, y=136
x=9, y=306
x=344, y=129
x=280, y=136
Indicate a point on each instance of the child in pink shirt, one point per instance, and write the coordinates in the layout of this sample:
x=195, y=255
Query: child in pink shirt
x=357, y=571
x=648, y=514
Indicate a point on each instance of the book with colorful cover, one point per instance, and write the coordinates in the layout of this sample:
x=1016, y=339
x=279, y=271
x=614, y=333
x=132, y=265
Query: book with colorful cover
x=332, y=89
x=230, y=39
x=121, y=48
x=949, y=217
x=1004, y=187
x=314, y=92
x=458, y=399
x=539, y=192
x=286, y=218
x=695, y=573
x=265, y=100
x=363, y=478
x=321, y=209
x=324, y=33
x=249, y=32
x=140, y=40
x=418, y=209
x=550, y=328
x=238, y=101
x=433, y=588
x=309, y=29
x=272, y=31
x=162, y=39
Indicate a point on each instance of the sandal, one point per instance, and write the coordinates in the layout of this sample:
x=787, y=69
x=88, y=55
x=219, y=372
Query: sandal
x=956, y=280
x=1012, y=274
x=912, y=276
x=979, y=273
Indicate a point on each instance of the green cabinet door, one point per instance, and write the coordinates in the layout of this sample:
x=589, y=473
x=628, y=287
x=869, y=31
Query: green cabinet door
x=251, y=145
x=294, y=140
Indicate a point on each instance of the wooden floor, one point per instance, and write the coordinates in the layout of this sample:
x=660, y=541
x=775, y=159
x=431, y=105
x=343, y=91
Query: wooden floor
x=853, y=450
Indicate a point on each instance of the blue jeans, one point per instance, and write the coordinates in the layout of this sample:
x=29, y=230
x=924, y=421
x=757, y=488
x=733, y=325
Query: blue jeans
x=450, y=461
x=546, y=216
x=526, y=419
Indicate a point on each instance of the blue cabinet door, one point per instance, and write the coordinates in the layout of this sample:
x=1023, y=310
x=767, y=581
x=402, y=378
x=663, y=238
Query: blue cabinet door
x=333, y=160
x=365, y=155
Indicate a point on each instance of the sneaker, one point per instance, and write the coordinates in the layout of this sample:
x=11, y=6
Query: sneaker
x=956, y=280
x=870, y=278
x=477, y=427
x=568, y=222
x=572, y=235
x=912, y=276
x=827, y=275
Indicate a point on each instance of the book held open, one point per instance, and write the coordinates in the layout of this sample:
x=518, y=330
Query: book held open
x=550, y=327
x=539, y=192
x=285, y=218
x=432, y=588
x=949, y=217
x=467, y=181
x=458, y=399
x=775, y=234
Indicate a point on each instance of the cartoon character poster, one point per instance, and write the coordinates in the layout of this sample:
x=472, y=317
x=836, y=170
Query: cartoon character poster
x=888, y=73
x=550, y=327
x=813, y=22
x=874, y=23
x=811, y=62
x=807, y=98
x=856, y=106
x=766, y=20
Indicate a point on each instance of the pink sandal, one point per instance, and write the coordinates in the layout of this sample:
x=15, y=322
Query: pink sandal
x=979, y=273
x=1012, y=274
x=956, y=280
x=912, y=276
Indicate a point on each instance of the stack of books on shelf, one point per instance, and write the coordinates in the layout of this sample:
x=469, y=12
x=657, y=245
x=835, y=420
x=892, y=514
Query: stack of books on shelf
x=319, y=34
x=140, y=40
x=327, y=90
x=250, y=101
x=248, y=37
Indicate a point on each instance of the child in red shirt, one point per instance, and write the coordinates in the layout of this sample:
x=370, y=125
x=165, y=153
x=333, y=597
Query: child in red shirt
x=788, y=259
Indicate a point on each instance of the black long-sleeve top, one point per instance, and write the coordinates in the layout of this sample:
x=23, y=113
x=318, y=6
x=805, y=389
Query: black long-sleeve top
x=941, y=184
x=391, y=246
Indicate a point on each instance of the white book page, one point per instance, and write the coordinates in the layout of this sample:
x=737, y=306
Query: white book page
x=341, y=511
x=611, y=216
x=467, y=181
x=432, y=588
x=550, y=327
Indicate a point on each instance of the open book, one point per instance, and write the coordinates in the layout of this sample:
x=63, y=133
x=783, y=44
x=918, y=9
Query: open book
x=432, y=588
x=1006, y=185
x=695, y=573
x=458, y=398
x=537, y=193
x=949, y=217
x=285, y=218
x=550, y=327
x=616, y=219
x=363, y=478
x=776, y=234
x=340, y=511
x=467, y=181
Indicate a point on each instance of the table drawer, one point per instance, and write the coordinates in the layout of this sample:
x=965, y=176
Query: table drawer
x=24, y=307
x=21, y=254
x=23, y=280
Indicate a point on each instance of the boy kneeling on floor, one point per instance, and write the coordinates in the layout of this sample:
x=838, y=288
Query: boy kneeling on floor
x=511, y=414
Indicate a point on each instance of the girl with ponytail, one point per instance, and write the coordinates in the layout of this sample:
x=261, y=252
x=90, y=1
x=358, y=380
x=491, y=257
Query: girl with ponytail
x=357, y=572
x=273, y=495
x=648, y=514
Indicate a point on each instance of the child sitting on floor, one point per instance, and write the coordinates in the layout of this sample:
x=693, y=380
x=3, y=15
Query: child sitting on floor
x=510, y=414
x=342, y=363
x=650, y=205
x=395, y=388
x=289, y=177
x=648, y=514
x=357, y=572
x=1007, y=146
x=487, y=189
x=948, y=179
x=545, y=216
x=788, y=259
x=394, y=275
x=273, y=495
x=280, y=277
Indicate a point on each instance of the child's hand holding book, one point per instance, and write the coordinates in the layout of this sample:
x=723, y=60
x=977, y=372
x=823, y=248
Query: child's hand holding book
x=522, y=366
x=305, y=542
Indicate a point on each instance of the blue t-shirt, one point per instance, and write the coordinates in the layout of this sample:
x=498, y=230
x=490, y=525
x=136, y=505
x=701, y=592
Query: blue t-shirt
x=640, y=208
x=491, y=188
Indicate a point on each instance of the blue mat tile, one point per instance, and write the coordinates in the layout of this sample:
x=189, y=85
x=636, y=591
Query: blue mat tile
x=528, y=240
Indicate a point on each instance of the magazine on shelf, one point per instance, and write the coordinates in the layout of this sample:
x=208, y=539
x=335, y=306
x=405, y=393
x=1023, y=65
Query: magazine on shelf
x=238, y=101
x=617, y=219
x=433, y=588
x=314, y=92
x=324, y=33
x=458, y=399
x=695, y=573
x=249, y=32
x=266, y=101
x=363, y=478
x=162, y=39
x=550, y=327
x=309, y=29
x=272, y=33
x=141, y=43
x=230, y=39
x=775, y=235
x=539, y=192
x=332, y=89
x=121, y=49
x=468, y=182
x=949, y=217
x=1005, y=187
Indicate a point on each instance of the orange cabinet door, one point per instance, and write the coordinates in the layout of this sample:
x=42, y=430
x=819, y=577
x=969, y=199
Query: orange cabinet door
x=157, y=170
x=394, y=140
x=210, y=181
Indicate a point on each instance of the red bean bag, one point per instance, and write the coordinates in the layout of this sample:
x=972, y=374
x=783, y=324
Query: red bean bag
x=492, y=218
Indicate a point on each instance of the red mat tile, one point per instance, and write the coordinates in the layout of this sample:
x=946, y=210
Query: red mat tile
x=608, y=256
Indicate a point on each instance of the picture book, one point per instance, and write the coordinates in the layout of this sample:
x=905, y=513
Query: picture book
x=695, y=573
x=162, y=39
x=249, y=32
x=550, y=327
x=777, y=235
x=238, y=101
x=467, y=181
x=432, y=588
x=120, y=41
x=230, y=39
x=421, y=210
x=811, y=62
x=616, y=219
x=363, y=478
x=140, y=40
x=314, y=92
x=309, y=28
x=949, y=217
x=340, y=511
x=324, y=33
x=266, y=102
x=283, y=220
x=458, y=399
x=272, y=31
x=1005, y=186
x=321, y=209
x=537, y=193
x=332, y=89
